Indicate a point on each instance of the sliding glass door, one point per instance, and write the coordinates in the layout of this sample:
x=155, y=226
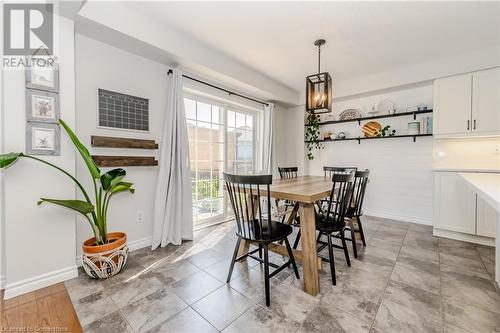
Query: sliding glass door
x=220, y=139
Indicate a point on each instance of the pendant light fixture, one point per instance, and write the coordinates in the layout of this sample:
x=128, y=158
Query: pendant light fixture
x=319, y=88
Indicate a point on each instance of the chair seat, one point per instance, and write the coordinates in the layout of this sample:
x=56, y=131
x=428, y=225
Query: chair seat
x=252, y=231
x=328, y=225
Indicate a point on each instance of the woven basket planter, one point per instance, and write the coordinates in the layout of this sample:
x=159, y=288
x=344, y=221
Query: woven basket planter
x=103, y=261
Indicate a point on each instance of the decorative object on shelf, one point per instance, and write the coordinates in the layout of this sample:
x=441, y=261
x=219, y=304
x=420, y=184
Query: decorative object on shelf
x=43, y=78
x=386, y=106
x=426, y=125
x=319, y=87
x=421, y=107
x=330, y=117
x=122, y=111
x=349, y=114
x=327, y=135
x=371, y=128
x=414, y=128
x=312, y=134
x=386, y=131
x=42, y=106
x=42, y=139
x=341, y=136
x=106, y=186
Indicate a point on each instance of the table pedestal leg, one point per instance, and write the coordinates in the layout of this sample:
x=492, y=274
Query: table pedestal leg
x=309, y=250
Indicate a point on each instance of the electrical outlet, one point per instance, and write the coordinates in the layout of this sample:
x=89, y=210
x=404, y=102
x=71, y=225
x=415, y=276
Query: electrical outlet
x=140, y=216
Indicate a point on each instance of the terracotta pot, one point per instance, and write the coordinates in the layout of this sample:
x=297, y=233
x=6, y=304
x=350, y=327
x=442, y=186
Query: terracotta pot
x=102, y=261
x=116, y=240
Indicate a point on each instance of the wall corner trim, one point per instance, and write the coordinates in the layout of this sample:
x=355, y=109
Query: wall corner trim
x=40, y=281
x=2, y=282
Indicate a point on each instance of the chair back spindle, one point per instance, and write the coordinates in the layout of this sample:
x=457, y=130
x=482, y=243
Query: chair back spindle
x=360, y=181
x=245, y=196
x=288, y=172
x=340, y=197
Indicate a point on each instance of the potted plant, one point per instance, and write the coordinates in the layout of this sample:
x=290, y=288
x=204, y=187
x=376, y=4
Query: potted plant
x=105, y=254
x=312, y=134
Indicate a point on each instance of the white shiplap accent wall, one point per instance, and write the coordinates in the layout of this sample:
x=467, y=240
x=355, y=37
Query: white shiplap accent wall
x=401, y=170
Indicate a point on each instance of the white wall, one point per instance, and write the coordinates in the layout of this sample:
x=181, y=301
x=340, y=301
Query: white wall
x=40, y=242
x=401, y=170
x=102, y=66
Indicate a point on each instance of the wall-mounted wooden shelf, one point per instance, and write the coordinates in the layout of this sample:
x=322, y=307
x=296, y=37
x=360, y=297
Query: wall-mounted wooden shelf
x=113, y=142
x=359, y=120
x=359, y=139
x=120, y=161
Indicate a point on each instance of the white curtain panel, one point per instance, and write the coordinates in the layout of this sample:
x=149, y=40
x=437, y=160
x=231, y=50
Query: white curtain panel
x=266, y=151
x=173, y=207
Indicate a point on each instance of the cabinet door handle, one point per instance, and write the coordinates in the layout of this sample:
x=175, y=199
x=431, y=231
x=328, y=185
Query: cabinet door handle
x=468, y=124
x=474, y=126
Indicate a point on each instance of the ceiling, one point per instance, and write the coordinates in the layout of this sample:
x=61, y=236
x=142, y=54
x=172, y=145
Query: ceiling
x=276, y=38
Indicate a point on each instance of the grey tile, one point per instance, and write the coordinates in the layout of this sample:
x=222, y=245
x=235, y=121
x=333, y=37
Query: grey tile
x=150, y=311
x=487, y=253
x=171, y=272
x=196, y=286
x=425, y=244
x=422, y=228
x=416, y=277
x=393, y=317
x=460, y=262
x=186, y=321
x=206, y=258
x=222, y=306
x=463, y=252
x=416, y=252
x=149, y=259
x=133, y=290
x=131, y=271
x=251, y=284
x=220, y=269
x=326, y=318
x=260, y=319
x=421, y=265
x=449, y=328
x=471, y=288
x=94, y=306
x=419, y=300
x=291, y=304
x=446, y=242
x=82, y=286
x=112, y=323
x=470, y=318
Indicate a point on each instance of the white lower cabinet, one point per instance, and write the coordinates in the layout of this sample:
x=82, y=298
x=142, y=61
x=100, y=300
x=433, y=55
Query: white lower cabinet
x=458, y=208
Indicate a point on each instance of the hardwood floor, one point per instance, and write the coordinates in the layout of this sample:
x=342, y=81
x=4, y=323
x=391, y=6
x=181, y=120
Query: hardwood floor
x=45, y=310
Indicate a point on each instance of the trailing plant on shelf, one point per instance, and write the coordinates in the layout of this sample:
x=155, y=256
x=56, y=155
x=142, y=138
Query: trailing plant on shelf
x=106, y=186
x=312, y=134
x=386, y=131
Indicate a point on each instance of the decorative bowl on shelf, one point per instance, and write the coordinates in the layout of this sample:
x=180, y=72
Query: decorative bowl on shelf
x=349, y=114
x=371, y=129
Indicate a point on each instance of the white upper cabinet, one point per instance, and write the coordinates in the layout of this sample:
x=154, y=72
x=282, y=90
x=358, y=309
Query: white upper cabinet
x=467, y=104
x=452, y=104
x=486, y=102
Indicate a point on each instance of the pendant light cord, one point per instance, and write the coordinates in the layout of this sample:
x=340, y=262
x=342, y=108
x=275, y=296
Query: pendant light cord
x=319, y=59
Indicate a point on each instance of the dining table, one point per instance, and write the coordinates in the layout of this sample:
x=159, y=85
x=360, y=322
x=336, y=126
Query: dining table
x=304, y=191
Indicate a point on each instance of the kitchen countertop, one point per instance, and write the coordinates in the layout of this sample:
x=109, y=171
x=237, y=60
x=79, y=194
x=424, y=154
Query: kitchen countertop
x=466, y=170
x=487, y=185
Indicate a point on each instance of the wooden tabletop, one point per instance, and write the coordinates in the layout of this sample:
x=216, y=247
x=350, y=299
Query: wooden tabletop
x=308, y=189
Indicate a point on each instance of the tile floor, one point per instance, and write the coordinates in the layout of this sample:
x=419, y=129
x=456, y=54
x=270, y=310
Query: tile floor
x=405, y=280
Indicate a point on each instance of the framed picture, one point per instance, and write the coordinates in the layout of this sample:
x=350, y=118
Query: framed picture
x=42, y=139
x=42, y=106
x=43, y=78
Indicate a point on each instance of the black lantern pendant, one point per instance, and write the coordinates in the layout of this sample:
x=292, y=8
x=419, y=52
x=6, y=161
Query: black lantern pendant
x=319, y=88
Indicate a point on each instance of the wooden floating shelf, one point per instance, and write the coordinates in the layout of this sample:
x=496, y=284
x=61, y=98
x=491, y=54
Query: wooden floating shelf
x=119, y=161
x=112, y=142
x=359, y=139
x=359, y=120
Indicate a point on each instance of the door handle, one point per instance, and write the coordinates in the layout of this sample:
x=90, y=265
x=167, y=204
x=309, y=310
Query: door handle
x=468, y=124
x=474, y=126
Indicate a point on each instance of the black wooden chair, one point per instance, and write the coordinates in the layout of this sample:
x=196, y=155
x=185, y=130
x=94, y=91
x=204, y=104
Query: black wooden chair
x=330, y=171
x=289, y=173
x=254, y=222
x=332, y=222
x=354, y=211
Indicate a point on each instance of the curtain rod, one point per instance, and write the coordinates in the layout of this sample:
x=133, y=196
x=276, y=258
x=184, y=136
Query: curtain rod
x=222, y=89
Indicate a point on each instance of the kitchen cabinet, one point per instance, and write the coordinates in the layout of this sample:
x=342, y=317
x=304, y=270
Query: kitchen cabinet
x=486, y=218
x=467, y=104
x=458, y=208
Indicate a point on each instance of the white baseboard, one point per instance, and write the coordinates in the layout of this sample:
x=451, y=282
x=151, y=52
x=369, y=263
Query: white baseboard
x=2, y=282
x=40, y=281
x=464, y=237
x=397, y=217
x=132, y=246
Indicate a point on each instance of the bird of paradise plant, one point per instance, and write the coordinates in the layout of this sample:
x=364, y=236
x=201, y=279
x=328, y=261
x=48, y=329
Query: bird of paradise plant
x=106, y=185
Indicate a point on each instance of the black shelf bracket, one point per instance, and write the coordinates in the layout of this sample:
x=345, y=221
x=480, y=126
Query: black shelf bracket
x=414, y=115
